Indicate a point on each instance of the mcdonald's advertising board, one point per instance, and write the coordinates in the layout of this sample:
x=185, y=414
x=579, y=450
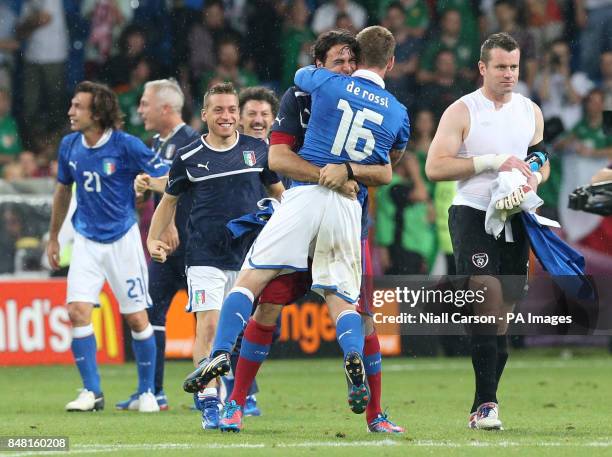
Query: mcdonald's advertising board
x=35, y=328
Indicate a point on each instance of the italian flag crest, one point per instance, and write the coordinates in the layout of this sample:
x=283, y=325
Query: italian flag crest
x=109, y=166
x=249, y=158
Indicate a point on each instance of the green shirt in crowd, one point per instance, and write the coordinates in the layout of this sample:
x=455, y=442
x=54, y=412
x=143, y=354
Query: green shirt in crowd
x=10, y=144
x=129, y=102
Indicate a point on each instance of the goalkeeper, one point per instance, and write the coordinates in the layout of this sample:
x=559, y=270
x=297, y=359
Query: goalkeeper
x=481, y=134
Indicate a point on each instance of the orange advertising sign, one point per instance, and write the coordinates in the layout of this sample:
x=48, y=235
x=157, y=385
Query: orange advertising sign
x=35, y=328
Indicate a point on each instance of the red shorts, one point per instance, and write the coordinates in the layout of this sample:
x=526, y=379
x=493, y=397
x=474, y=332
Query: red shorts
x=288, y=288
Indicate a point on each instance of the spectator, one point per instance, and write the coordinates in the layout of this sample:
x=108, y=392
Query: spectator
x=560, y=91
x=545, y=22
x=129, y=99
x=444, y=87
x=8, y=44
x=132, y=46
x=587, y=150
x=403, y=229
x=228, y=68
x=343, y=21
x=29, y=165
x=295, y=42
x=42, y=26
x=204, y=39
x=594, y=19
x=416, y=15
x=262, y=49
x=12, y=230
x=10, y=143
x=325, y=15
x=506, y=13
x=606, y=78
x=401, y=80
x=12, y=171
x=449, y=39
x=108, y=18
x=470, y=14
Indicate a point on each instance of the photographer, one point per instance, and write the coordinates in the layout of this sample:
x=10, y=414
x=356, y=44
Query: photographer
x=559, y=90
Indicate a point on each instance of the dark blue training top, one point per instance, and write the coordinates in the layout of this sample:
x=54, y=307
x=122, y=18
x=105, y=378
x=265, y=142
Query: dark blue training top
x=224, y=185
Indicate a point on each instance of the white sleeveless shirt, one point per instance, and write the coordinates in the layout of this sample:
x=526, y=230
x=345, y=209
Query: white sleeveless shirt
x=508, y=130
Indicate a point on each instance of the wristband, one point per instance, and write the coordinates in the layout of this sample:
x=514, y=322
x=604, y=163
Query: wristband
x=349, y=171
x=538, y=176
x=488, y=162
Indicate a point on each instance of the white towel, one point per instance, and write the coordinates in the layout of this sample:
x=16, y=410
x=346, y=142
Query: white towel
x=506, y=183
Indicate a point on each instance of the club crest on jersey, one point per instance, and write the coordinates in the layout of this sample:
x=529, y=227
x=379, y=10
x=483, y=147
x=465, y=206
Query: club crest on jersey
x=109, y=166
x=480, y=260
x=169, y=152
x=249, y=158
x=199, y=297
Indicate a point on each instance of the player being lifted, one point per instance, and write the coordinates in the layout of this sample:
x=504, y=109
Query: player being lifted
x=353, y=120
x=160, y=108
x=224, y=172
x=103, y=163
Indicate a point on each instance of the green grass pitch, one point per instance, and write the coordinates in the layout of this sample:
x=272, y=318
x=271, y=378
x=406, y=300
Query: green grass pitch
x=550, y=405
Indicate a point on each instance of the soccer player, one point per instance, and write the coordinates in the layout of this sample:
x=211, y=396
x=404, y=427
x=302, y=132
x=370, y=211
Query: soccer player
x=485, y=132
x=160, y=108
x=258, y=106
x=334, y=140
x=223, y=172
x=103, y=163
x=289, y=128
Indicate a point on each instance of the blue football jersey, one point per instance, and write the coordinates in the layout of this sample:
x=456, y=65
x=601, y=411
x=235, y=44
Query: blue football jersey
x=224, y=185
x=184, y=136
x=352, y=119
x=104, y=177
x=292, y=119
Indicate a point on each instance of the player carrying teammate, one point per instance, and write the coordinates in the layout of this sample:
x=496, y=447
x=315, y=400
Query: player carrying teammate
x=379, y=125
x=103, y=163
x=224, y=172
x=160, y=108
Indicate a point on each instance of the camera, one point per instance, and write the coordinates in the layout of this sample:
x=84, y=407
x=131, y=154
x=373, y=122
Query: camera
x=596, y=199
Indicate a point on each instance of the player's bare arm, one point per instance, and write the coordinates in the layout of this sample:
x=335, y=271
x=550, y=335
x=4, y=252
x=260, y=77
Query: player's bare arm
x=442, y=161
x=61, y=202
x=275, y=190
x=334, y=176
x=603, y=175
x=544, y=172
x=283, y=160
x=145, y=182
x=396, y=155
x=163, y=216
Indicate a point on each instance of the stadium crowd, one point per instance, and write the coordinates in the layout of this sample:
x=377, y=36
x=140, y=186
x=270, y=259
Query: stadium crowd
x=48, y=46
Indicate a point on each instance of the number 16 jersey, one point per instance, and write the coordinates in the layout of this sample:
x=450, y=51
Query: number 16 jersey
x=353, y=118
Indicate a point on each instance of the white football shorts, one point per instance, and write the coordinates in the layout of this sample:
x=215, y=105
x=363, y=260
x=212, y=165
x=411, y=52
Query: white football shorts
x=315, y=215
x=207, y=287
x=122, y=263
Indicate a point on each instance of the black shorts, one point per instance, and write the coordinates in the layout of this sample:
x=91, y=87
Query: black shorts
x=478, y=253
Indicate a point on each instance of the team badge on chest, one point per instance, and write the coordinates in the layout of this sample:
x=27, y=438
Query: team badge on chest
x=169, y=152
x=249, y=158
x=109, y=166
